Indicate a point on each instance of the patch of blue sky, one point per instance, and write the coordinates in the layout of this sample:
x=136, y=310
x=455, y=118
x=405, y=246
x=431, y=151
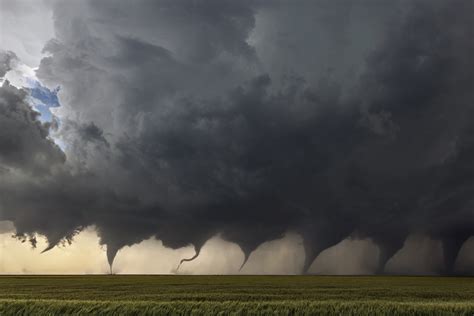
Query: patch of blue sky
x=43, y=109
x=43, y=99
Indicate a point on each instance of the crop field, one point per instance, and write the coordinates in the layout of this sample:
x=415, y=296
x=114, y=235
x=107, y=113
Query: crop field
x=235, y=295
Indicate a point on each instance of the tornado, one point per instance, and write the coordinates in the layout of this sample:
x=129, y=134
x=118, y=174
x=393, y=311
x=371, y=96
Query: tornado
x=111, y=253
x=197, y=250
x=388, y=247
x=320, y=236
x=451, y=244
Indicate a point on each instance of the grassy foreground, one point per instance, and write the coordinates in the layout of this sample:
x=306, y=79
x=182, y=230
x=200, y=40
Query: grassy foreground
x=235, y=295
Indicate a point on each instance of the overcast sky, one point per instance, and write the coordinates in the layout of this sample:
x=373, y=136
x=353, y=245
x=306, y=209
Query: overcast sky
x=241, y=136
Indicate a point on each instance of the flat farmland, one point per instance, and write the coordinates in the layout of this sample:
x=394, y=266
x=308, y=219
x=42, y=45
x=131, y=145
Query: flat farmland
x=235, y=295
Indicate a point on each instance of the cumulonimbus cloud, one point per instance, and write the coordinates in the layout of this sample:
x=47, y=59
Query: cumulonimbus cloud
x=175, y=127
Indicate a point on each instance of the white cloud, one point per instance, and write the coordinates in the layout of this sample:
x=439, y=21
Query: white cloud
x=25, y=26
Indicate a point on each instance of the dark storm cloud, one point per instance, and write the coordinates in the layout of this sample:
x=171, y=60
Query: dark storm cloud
x=175, y=128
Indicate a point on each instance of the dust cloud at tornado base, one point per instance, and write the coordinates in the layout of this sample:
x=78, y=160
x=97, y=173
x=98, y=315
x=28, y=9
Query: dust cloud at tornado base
x=420, y=255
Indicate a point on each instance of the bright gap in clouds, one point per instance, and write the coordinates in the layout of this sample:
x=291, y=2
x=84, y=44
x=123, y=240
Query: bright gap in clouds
x=25, y=27
x=41, y=98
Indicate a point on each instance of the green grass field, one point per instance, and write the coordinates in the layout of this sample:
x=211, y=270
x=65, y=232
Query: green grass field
x=235, y=295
